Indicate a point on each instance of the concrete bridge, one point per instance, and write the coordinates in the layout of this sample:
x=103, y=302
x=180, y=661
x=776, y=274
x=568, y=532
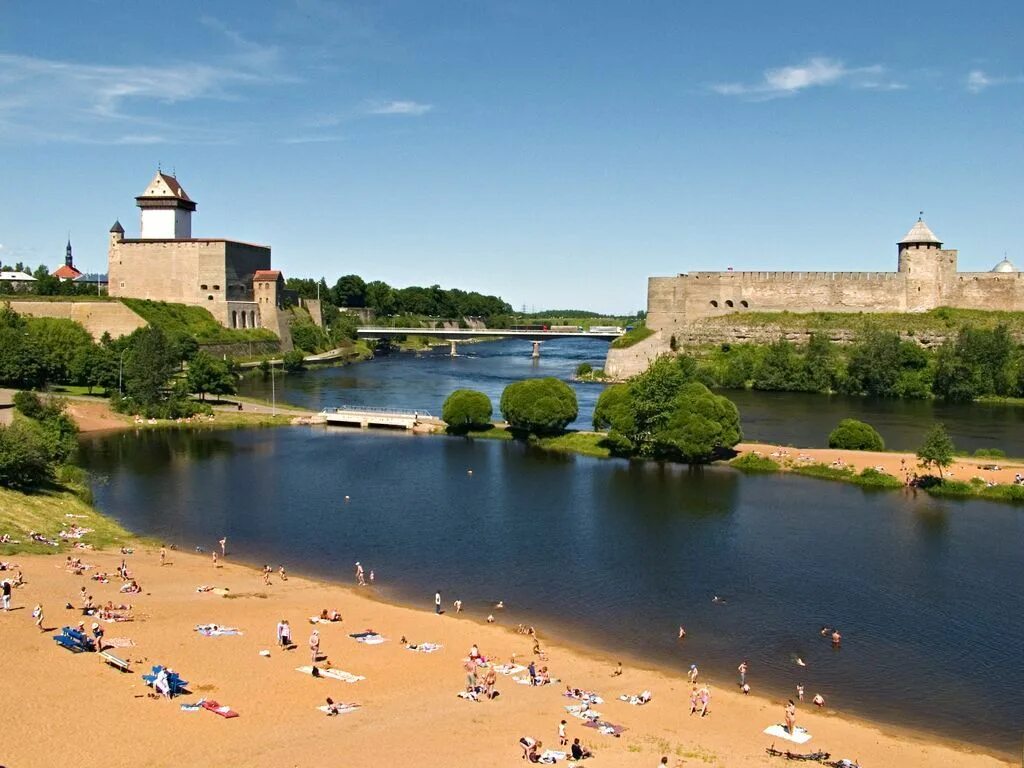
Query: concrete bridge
x=367, y=416
x=452, y=335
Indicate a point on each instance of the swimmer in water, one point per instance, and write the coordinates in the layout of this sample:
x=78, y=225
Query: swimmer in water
x=682, y=632
x=819, y=700
x=501, y=604
x=800, y=662
x=836, y=638
x=719, y=601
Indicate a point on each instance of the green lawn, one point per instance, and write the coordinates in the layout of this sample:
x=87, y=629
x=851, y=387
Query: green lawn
x=583, y=443
x=630, y=338
x=181, y=319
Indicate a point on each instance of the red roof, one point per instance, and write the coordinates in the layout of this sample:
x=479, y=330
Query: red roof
x=266, y=275
x=66, y=273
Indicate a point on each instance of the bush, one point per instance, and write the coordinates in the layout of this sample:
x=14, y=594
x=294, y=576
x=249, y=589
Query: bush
x=752, y=462
x=294, y=360
x=853, y=435
x=990, y=453
x=541, y=406
x=29, y=404
x=24, y=457
x=584, y=369
x=466, y=409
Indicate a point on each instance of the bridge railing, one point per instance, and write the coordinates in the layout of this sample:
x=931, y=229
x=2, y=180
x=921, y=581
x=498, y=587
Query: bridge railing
x=422, y=413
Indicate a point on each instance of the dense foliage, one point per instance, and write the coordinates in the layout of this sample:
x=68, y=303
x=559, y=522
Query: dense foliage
x=207, y=374
x=353, y=292
x=976, y=362
x=33, y=446
x=853, y=435
x=466, y=409
x=666, y=413
x=294, y=360
x=539, y=406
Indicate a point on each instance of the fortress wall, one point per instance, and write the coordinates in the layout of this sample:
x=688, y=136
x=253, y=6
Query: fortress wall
x=984, y=290
x=98, y=317
x=677, y=301
x=240, y=264
x=167, y=271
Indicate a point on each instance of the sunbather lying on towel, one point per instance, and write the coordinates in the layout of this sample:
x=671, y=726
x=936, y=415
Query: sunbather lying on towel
x=642, y=698
x=581, y=695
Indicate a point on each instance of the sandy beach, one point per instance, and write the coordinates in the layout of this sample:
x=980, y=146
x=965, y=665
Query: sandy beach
x=71, y=707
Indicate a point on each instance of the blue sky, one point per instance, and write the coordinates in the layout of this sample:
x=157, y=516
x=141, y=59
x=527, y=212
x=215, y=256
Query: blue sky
x=555, y=153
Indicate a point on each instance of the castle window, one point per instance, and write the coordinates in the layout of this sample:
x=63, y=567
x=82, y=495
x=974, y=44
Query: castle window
x=728, y=302
x=203, y=287
x=216, y=287
x=744, y=304
x=234, y=318
x=714, y=303
x=210, y=297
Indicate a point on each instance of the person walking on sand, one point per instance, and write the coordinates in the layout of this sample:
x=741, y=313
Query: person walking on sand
x=214, y=558
x=693, y=673
x=163, y=556
x=742, y=669
x=437, y=603
x=360, y=579
x=562, y=738
x=705, y=700
x=790, y=717
x=37, y=614
x=281, y=573
x=694, y=695
x=314, y=646
x=282, y=634
x=6, y=594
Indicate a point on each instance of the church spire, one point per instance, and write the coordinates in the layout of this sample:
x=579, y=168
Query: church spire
x=68, y=260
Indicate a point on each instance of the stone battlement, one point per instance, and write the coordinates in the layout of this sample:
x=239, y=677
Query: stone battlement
x=769, y=276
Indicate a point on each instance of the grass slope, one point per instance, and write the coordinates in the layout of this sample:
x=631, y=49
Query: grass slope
x=941, y=320
x=181, y=319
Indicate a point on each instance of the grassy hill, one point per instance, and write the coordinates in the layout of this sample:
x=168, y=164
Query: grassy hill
x=941, y=320
x=181, y=319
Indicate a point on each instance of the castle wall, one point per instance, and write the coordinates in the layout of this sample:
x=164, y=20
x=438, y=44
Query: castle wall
x=98, y=317
x=984, y=290
x=674, y=302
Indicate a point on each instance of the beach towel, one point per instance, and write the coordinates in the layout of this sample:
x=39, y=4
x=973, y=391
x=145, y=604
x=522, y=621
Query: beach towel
x=369, y=638
x=525, y=680
x=119, y=642
x=337, y=674
x=587, y=696
x=217, y=709
x=551, y=756
x=425, y=647
x=799, y=735
x=638, y=700
x=509, y=669
x=581, y=711
x=215, y=630
x=468, y=695
x=608, y=729
x=342, y=709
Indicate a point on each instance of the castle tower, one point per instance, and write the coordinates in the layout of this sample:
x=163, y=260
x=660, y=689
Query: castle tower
x=166, y=210
x=927, y=267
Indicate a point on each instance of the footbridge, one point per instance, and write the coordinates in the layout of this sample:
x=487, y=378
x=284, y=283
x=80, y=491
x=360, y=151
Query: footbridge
x=367, y=416
x=453, y=335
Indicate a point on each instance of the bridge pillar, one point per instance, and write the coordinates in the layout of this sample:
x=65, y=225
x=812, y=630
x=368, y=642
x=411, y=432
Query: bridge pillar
x=536, y=350
x=452, y=352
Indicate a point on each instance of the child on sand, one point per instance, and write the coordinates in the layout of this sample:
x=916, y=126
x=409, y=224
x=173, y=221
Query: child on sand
x=562, y=739
x=37, y=614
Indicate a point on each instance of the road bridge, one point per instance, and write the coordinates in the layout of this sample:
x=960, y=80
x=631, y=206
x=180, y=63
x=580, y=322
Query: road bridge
x=453, y=335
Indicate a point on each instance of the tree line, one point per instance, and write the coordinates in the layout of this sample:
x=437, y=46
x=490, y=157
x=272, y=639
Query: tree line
x=977, y=362
x=46, y=284
x=352, y=292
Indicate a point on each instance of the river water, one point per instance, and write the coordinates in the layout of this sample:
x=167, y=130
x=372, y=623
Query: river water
x=422, y=381
x=617, y=554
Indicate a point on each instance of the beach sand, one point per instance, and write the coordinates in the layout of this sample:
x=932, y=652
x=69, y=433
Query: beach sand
x=63, y=708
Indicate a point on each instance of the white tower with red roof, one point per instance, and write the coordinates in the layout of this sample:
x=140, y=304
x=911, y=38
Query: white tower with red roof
x=166, y=210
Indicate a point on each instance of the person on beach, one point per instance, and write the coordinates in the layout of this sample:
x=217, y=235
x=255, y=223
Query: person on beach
x=223, y=546
x=618, y=670
x=281, y=573
x=215, y=558
x=579, y=752
x=267, y=570
x=163, y=556
x=742, y=669
x=562, y=738
x=314, y=645
x=283, y=632
x=97, y=636
x=694, y=695
x=360, y=579
x=490, y=618
x=470, y=667
x=800, y=692
x=790, y=717
x=371, y=576
x=682, y=632
x=437, y=603
x=5, y=594
x=161, y=684
x=818, y=700
x=745, y=688
x=692, y=675
x=532, y=669
x=705, y=700
x=37, y=614
x=457, y=605
x=490, y=680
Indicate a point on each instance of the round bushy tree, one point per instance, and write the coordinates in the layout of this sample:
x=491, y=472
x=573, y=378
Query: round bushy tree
x=699, y=424
x=540, y=406
x=853, y=435
x=466, y=409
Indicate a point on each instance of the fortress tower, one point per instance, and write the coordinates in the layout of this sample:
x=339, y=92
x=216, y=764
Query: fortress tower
x=926, y=266
x=166, y=210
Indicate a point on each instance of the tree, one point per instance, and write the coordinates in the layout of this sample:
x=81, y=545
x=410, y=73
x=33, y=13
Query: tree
x=380, y=297
x=853, y=435
x=937, y=449
x=208, y=374
x=466, y=409
x=294, y=360
x=700, y=424
x=148, y=365
x=780, y=369
x=24, y=460
x=349, y=291
x=539, y=406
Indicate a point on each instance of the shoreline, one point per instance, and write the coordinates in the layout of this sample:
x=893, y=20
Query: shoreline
x=172, y=606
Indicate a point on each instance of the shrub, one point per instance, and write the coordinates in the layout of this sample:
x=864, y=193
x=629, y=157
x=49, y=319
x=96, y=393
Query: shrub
x=752, y=462
x=540, y=406
x=990, y=453
x=28, y=404
x=853, y=435
x=294, y=360
x=466, y=409
x=24, y=458
x=584, y=369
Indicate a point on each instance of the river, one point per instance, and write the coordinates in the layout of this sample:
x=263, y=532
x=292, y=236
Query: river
x=423, y=380
x=617, y=554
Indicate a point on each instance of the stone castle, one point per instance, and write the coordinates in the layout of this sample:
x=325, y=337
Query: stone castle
x=231, y=279
x=926, y=278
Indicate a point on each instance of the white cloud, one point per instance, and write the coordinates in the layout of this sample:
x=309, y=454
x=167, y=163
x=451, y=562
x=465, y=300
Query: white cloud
x=978, y=81
x=816, y=72
x=399, y=108
x=312, y=139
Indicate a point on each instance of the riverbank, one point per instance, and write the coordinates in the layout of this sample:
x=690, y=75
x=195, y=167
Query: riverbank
x=409, y=711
